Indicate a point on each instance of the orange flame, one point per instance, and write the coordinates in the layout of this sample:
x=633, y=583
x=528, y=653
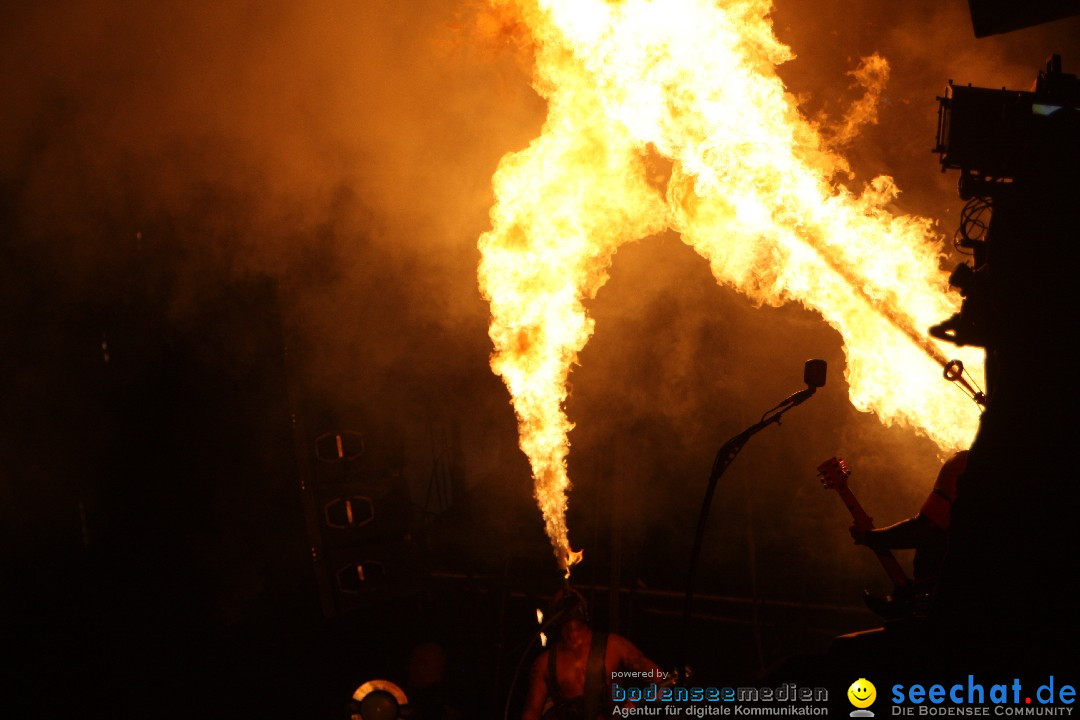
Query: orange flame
x=751, y=189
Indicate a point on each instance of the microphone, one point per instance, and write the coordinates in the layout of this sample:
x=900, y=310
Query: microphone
x=814, y=372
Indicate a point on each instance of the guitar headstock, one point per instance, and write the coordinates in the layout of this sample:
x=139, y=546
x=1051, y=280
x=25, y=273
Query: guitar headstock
x=833, y=473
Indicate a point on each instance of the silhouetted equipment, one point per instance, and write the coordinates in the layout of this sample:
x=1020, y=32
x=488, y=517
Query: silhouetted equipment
x=359, y=519
x=1015, y=512
x=990, y=17
x=814, y=376
x=1008, y=145
x=990, y=134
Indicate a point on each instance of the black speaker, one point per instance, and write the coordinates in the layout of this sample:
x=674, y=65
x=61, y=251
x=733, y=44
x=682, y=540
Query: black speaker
x=356, y=511
x=360, y=513
x=366, y=572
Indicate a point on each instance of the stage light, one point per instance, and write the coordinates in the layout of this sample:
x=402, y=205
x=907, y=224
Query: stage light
x=349, y=512
x=378, y=700
x=360, y=576
x=337, y=447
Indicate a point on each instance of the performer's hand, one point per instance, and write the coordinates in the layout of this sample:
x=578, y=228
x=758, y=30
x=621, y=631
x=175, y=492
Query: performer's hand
x=870, y=538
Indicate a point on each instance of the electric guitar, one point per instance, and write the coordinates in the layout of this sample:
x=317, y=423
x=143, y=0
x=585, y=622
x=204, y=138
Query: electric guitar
x=834, y=474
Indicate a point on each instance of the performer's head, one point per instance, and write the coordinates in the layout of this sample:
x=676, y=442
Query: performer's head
x=569, y=615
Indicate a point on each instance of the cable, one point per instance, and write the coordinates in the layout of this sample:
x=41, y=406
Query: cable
x=974, y=222
x=517, y=674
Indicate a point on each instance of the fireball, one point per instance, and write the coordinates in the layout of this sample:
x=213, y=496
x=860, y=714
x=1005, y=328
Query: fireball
x=754, y=189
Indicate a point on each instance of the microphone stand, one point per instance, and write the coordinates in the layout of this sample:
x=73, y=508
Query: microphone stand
x=724, y=457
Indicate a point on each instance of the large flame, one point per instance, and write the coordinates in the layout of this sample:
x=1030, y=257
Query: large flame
x=753, y=190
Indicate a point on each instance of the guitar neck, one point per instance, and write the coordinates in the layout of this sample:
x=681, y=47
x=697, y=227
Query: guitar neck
x=864, y=522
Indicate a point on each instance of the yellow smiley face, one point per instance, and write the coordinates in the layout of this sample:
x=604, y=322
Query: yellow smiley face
x=862, y=693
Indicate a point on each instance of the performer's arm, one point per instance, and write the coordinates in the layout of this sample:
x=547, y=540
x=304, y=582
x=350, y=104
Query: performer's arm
x=903, y=535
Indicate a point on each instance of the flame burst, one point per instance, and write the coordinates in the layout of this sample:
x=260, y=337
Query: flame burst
x=752, y=189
